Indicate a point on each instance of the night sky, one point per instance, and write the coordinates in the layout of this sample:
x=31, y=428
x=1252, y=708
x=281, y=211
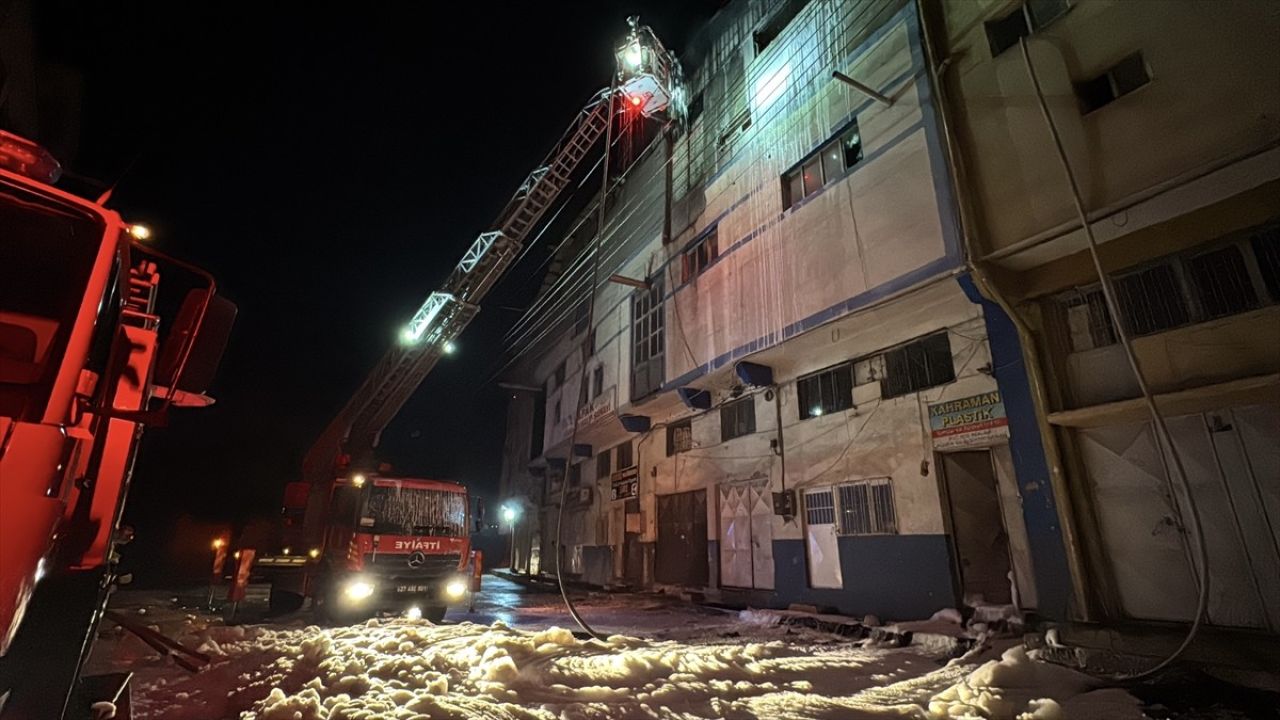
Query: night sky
x=329, y=167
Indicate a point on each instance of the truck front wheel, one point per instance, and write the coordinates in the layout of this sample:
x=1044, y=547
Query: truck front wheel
x=281, y=602
x=434, y=613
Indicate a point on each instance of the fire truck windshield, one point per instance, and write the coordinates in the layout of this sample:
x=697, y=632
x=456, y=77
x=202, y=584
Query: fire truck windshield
x=417, y=511
x=47, y=251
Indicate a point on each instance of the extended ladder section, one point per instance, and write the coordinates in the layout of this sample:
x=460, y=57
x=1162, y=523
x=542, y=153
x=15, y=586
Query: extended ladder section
x=429, y=335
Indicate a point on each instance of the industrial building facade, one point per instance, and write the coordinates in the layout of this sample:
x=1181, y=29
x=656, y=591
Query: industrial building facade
x=844, y=348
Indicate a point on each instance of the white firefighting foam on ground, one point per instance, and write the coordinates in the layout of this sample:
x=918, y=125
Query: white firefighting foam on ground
x=405, y=668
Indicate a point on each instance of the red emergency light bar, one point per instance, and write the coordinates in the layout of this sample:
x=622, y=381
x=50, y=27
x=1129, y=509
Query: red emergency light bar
x=20, y=155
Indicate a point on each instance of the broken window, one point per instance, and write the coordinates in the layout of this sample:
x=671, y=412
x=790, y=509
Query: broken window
x=1033, y=15
x=1117, y=81
x=776, y=24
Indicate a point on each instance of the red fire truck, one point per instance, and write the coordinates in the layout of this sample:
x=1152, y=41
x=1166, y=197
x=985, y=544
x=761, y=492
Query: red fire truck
x=85, y=365
x=367, y=543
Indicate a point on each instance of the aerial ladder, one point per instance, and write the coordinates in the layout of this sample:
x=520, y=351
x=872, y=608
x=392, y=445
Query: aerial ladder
x=648, y=82
x=357, y=541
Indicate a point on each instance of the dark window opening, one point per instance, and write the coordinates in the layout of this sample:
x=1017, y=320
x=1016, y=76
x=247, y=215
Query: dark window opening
x=625, y=458
x=603, y=464
x=1034, y=15
x=597, y=381
x=1119, y=80
x=826, y=392
x=539, y=425
x=695, y=108
x=1005, y=32
x=737, y=418
x=679, y=437
x=558, y=378
x=575, y=475
x=922, y=364
x=776, y=24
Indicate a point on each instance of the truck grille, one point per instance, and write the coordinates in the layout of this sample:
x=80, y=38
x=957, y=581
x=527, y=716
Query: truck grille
x=424, y=565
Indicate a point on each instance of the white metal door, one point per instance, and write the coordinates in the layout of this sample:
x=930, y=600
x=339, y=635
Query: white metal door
x=1140, y=518
x=746, y=536
x=761, y=537
x=821, y=541
x=736, y=566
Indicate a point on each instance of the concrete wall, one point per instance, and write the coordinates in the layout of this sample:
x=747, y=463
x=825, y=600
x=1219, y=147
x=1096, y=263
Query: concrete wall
x=1212, y=98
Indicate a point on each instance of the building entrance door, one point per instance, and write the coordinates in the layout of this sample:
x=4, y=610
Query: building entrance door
x=746, y=536
x=977, y=527
x=681, y=552
x=822, y=549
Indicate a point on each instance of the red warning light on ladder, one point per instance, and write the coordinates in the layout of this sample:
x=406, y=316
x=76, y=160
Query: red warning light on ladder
x=636, y=100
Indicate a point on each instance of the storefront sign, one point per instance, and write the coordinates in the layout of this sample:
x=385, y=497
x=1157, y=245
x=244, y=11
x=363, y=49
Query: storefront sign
x=626, y=483
x=597, y=410
x=976, y=421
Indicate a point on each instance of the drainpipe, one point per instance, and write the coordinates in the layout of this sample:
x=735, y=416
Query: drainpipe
x=781, y=450
x=1026, y=339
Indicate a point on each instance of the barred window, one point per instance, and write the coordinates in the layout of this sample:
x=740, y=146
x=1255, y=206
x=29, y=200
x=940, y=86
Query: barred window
x=737, y=418
x=679, y=437
x=1151, y=300
x=826, y=392
x=866, y=508
x=1222, y=282
x=819, y=507
x=922, y=364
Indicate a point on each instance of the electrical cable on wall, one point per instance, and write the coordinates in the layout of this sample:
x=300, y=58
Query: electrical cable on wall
x=1201, y=567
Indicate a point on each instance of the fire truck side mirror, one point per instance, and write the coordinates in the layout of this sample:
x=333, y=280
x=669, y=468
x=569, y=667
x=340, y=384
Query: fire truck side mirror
x=206, y=344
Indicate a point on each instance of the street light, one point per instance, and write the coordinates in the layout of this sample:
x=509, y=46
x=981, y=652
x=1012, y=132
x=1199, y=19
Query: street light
x=510, y=513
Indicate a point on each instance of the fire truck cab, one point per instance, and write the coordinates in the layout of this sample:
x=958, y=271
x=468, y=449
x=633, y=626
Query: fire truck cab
x=85, y=365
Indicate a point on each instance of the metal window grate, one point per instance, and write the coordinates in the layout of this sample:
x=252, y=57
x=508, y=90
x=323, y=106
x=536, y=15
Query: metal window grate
x=1222, y=282
x=679, y=437
x=1088, y=321
x=922, y=364
x=1151, y=300
x=826, y=392
x=866, y=508
x=1266, y=249
x=819, y=507
x=737, y=418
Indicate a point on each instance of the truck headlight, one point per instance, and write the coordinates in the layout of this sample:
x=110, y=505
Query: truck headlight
x=455, y=589
x=357, y=590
